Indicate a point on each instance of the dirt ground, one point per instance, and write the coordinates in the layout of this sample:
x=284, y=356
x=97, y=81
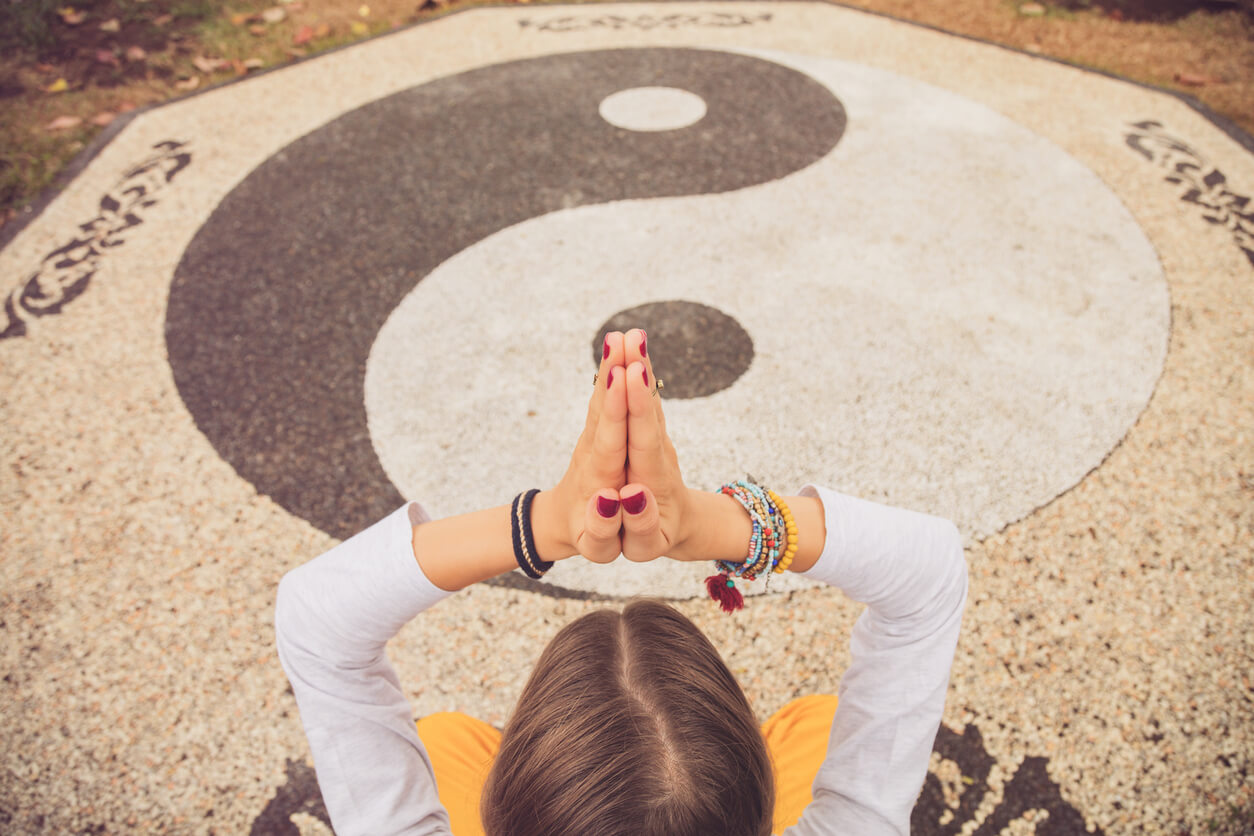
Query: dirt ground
x=67, y=71
x=1208, y=54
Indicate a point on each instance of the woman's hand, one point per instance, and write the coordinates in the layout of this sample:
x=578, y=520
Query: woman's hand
x=623, y=491
x=584, y=506
x=655, y=502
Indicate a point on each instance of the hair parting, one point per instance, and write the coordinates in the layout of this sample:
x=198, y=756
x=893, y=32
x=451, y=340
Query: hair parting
x=631, y=724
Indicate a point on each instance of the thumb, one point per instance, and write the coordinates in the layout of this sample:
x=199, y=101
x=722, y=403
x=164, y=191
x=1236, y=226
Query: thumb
x=599, y=541
x=642, y=535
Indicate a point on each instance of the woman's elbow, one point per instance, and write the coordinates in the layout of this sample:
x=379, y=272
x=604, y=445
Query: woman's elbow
x=289, y=603
x=950, y=547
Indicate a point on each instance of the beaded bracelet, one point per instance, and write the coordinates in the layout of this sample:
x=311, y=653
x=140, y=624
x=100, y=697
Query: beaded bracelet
x=790, y=530
x=772, y=544
x=524, y=541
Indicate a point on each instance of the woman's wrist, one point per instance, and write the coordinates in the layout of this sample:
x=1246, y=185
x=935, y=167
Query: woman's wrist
x=455, y=552
x=550, y=527
x=811, y=522
x=717, y=527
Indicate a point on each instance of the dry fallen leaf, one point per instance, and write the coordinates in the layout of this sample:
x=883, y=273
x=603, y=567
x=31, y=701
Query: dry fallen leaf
x=295, y=6
x=71, y=15
x=208, y=66
x=240, y=18
x=58, y=86
x=322, y=30
x=254, y=64
x=106, y=56
x=188, y=83
x=111, y=25
x=358, y=28
x=274, y=14
x=126, y=107
x=258, y=29
x=303, y=35
x=135, y=53
x=62, y=123
x=1195, y=79
x=363, y=10
x=103, y=118
x=162, y=20
x=294, y=51
x=1031, y=10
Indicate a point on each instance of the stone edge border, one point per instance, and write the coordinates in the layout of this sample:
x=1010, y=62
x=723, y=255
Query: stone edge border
x=81, y=160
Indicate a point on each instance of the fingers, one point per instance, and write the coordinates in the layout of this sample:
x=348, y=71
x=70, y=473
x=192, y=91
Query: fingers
x=642, y=533
x=645, y=448
x=636, y=350
x=611, y=355
x=609, y=433
x=600, y=541
x=605, y=428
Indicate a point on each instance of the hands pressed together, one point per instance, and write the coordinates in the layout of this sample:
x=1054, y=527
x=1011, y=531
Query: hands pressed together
x=623, y=491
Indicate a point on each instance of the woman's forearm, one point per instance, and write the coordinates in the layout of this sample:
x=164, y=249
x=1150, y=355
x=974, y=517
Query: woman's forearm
x=721, y=529
x=456, y=552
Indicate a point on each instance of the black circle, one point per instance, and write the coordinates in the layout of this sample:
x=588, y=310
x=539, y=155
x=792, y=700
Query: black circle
x=696, y=350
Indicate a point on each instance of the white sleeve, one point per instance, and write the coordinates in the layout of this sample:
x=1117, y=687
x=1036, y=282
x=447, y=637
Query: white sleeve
x=332, y=619
x=909, y=569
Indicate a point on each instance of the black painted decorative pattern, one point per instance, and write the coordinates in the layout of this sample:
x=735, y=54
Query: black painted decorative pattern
x=65, y=272
x=1203, y=185
x=585, y=23
x=1030, y=793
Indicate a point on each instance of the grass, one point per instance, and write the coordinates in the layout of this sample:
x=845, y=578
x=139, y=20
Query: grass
x=35, y=167
x=194, y=9
x=27, y=23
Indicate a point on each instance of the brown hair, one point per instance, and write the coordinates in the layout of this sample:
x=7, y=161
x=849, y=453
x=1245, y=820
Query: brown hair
x=631, y=725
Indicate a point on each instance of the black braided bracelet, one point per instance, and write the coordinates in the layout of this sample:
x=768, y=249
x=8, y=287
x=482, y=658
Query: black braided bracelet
x=524, y=542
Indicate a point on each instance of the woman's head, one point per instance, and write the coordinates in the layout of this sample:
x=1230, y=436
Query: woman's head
x=631, y=724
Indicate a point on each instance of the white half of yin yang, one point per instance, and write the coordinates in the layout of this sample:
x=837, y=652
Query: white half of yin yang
x=948, y=312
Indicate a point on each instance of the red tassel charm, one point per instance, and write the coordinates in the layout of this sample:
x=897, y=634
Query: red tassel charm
x=723, y=589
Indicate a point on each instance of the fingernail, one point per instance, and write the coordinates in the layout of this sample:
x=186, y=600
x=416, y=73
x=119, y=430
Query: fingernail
x=644, y=348
x=609, y=379
x=634, y=504
x=607, y=507
x=645, y=374
x=605, y=349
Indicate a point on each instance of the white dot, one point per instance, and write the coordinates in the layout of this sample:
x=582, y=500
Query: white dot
x=652, y=109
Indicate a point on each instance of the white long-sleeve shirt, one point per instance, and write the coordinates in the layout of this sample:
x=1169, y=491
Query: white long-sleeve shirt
x=335, y=614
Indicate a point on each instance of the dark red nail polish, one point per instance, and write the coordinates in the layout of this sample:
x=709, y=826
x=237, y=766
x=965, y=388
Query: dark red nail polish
x=645, y=374
x=609, y=379
x=605, y=350
x=607, y=507
x=644, y=347
x=634, y=504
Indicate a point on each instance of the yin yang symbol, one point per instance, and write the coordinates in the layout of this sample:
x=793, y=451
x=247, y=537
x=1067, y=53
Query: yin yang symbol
x=848, y=277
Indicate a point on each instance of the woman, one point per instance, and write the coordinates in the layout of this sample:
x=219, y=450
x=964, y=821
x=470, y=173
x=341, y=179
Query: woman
x=630, y=722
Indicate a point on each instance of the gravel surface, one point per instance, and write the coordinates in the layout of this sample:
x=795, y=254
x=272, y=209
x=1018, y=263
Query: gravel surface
x=1103, y=677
